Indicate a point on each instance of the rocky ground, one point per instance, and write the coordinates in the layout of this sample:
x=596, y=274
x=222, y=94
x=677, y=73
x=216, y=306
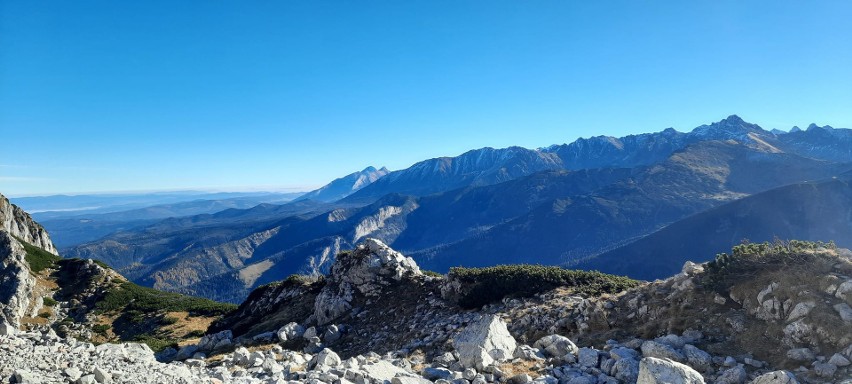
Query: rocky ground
x=376, y=318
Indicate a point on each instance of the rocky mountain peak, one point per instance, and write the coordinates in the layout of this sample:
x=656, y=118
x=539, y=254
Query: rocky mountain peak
x=732, y=127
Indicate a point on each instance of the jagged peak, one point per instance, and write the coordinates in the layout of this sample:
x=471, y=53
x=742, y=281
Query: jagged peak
x=795, y=129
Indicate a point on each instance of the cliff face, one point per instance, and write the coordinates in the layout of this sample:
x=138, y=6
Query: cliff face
x=19, y=224
x=16, y=281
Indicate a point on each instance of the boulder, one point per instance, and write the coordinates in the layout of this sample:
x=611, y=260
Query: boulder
x=664, y=371
x=556, y=346
x=7, y=329
x=661, y=351
x=291, y=331
x=697, y=358
x=801, y=310
x=484, y=342
x=325, y=359
x=800, y=354
x=587, y=357
x=735, y=375
x=626, y=369
x=776, y=377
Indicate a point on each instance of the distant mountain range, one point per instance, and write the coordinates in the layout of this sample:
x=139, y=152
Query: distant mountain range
x=565, y=204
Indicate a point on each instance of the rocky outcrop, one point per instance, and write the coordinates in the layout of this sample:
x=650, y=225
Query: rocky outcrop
x=19, y=224
x=16, y=281
x=363, y=272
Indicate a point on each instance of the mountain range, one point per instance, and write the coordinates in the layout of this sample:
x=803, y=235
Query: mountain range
x=562, y=205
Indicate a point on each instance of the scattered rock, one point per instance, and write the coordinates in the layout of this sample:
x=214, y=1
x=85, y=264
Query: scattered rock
x=663, y=371
x=776, y=377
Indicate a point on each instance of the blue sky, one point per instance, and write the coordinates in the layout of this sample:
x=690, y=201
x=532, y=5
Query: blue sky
x=161, y=95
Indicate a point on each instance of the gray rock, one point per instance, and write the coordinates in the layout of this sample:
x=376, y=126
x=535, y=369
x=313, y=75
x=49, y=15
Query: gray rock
x=7, y=329
x=88, y=379
x=800, y=354
x=587, y=357
x=556, y=346
x=521, y=378
x=332, y=334
x=660, y=351
x=72, y=373
x=838, y=360
x=484, y=342
x=845, y=311
x=697, y=358
x=825, y=369
x=436, y=373
x=663, y=371
x=801, y=310
x=409, y=380
x=626, y=369
x=291, y=331
x=776, y=377
x=735, y=375
x=102, y=376
x=383, y=371
x=619, y=353
x=325, y=359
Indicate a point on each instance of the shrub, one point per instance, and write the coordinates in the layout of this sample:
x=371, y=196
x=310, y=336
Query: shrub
x=133, y=297
x=157, y=344
x=432, y=273
x=491, y=284
x=168, y=320
x=194, y=334
x=748, y=259
x=101, y=329
x=49, y=302
x=44, y=315
x=37, y=258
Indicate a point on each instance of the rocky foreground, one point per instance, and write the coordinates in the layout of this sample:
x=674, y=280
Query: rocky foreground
x=378, y=319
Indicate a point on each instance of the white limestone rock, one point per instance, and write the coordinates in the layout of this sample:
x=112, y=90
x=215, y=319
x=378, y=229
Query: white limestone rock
x=664, y=371
x=484, y=342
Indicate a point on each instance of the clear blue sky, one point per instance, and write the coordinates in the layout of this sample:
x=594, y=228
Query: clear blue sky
x=153, y=95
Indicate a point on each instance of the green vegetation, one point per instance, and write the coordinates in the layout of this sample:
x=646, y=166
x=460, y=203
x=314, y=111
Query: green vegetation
x=49, y=302
x=101, y=264
x=132, y=297
x=488, y=285
x=101, y=329
x=157, y=344
x=432, y=273
x=168, y=320
x=194, y=334
x=747, y=260
x=44, y=315
x=37, y=258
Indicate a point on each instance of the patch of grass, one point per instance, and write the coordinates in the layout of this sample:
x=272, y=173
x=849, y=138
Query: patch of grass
x=101, y=329
x=747, y=260
x=132, y=297
x=44, y=315
x=168, y=320
x=38, y=258
x=101, y=264
x=492, y=284
x=49, y=302
x=157, y=344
